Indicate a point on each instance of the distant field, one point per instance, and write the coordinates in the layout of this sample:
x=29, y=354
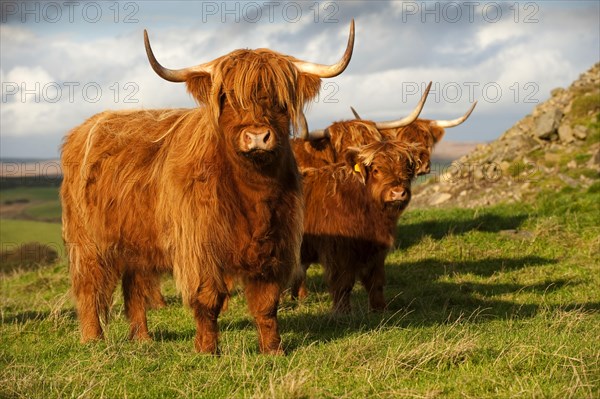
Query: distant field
x=30, y=203
x=30, y=193
x=23, y=231
x=45, y=211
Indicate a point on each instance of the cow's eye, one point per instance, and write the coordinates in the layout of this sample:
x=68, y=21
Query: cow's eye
x=375, y=172
x=222, y=99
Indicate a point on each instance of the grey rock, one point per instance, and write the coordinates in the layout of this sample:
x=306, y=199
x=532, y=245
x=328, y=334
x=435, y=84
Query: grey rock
x=551, y=157
x=440, y=198
x=517, y=147
x=580, y=132
x=568, y=180
x=565, y=133
x=547, y=123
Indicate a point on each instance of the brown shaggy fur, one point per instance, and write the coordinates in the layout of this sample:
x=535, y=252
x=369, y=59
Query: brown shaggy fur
x=420, y=131
x=350, y=217
x=146, y=192
x=357, y=132
x=330, y=150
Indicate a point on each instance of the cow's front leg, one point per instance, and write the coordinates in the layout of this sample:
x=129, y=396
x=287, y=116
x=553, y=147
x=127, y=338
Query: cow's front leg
x=341, y=280
x=299, y=290
x=263, y=299
x=373, y=279
x=207, y=306
x=135, y=292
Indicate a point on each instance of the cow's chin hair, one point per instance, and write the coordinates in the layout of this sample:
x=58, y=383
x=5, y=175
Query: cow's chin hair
x=395, y=206
x=260, y=157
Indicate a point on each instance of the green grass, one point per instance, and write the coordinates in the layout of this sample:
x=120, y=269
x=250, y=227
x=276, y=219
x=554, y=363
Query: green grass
x=29, y=193
x=16, y=232
x=29, y=256
x=41, y=203
x=484, y=303
x=49, y=210
x=584, y=105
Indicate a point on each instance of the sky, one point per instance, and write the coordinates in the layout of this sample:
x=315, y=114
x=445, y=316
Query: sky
x=64, y=61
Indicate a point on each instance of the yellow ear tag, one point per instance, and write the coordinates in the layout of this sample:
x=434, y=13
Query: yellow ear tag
x=356, y=168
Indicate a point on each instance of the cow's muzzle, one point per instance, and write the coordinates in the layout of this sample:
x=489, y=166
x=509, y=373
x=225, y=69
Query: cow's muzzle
x=257, y=139
x=398, y=197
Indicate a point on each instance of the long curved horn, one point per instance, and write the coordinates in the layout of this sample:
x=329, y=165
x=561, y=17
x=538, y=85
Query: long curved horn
x=408, y=119
x=356, y=115
x=457, y=121
x=304, y=135
x=315, y=134
x=172, y=75
x=318, y=134
x=329, y=71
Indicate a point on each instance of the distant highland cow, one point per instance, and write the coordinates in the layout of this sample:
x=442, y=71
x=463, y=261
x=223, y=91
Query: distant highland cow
x=328, y=146
x=210, y=193
x=423, y=131
x=351, y=211
x=340, y=136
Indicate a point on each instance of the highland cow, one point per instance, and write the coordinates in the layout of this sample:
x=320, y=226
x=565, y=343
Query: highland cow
x=351, y=211
x=210, y=194
x=328, y=146
x=340, y=135
x=424, y=131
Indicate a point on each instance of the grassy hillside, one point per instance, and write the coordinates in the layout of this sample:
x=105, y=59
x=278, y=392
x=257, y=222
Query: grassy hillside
x=485, y=303
x=557, y=145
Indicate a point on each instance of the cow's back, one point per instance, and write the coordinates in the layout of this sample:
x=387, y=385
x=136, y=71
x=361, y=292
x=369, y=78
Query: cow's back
x=120, y=182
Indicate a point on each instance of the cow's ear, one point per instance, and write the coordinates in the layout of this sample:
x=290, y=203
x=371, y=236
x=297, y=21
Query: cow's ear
x=353, y=161
x=437, y=132
x=198, y=85
x=308, y=86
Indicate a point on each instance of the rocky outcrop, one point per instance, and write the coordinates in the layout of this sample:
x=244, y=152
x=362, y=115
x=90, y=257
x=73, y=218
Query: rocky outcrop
x=557, y=145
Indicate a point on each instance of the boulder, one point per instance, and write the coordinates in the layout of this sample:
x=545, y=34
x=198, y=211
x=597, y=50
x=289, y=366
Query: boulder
x=565, y=133
x=552, y=157
x=547, y=123
x=580, y=132
x=440, y=198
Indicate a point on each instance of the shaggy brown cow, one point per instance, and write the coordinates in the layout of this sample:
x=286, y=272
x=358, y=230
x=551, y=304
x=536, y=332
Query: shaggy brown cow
x=424, y=131
x=328, y=146
x=351, y=211
x=209, y=193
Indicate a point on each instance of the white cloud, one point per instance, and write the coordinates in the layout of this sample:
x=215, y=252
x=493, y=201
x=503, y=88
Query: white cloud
x=25, y=84
x=18, y=35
